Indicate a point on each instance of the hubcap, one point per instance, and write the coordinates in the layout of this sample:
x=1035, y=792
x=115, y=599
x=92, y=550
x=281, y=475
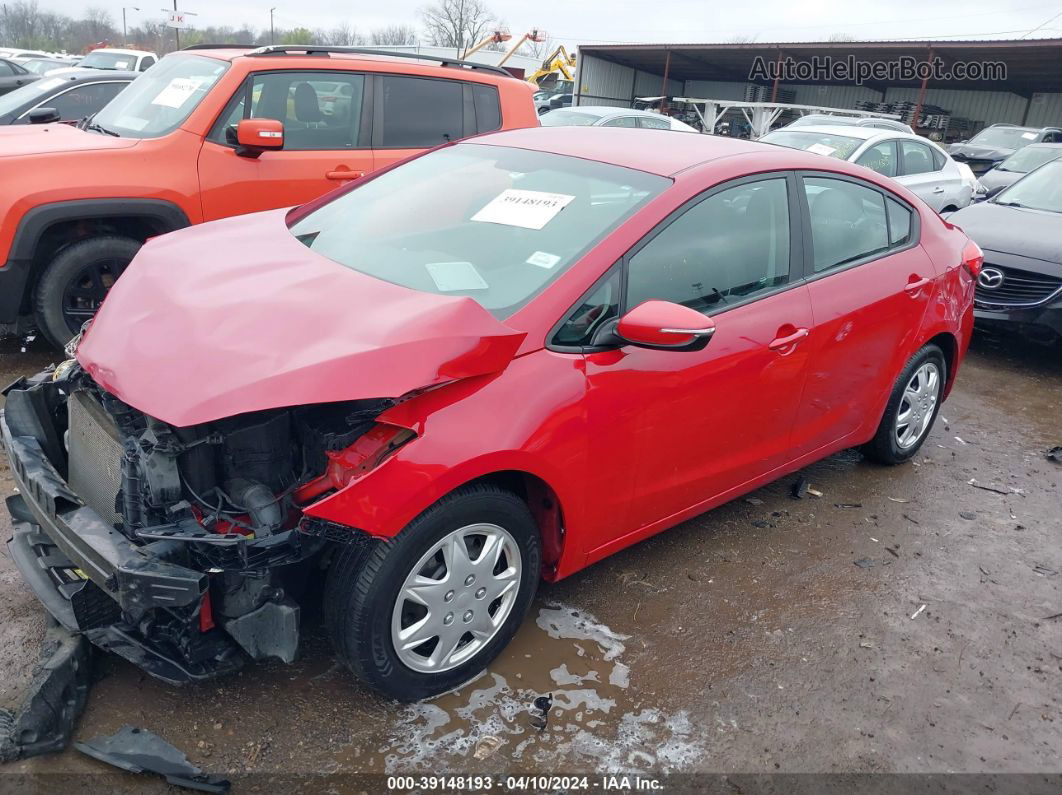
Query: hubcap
x=456, y=598
x=917, y=405
x=86, y=290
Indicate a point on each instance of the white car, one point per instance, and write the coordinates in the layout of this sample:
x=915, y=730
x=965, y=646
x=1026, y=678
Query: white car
x=111, y=58
x=916, y=163
x=607, y=116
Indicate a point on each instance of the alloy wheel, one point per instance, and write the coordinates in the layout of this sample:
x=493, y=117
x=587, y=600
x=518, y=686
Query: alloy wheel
x=85, y=292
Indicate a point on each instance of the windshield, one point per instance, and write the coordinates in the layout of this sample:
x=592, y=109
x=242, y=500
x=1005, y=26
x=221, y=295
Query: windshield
x=31, y=92
x=491, y=223
x=108, y=60
x=839, y=146
x=162, y=97
x=567, y=118
x=1005, y=137
x=1025, y=160
x=1039, y=190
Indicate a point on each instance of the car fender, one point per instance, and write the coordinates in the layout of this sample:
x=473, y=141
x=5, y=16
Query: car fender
x=530, y=420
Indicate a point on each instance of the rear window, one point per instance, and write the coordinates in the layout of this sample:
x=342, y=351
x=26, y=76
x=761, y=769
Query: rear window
x=421, y=112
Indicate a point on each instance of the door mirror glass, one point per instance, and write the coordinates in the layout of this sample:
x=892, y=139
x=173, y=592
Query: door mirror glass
x=42, y=116
x=254, y=136
x=665, y=326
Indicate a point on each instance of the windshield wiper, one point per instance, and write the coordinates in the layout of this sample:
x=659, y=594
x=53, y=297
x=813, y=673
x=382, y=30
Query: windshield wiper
x=1009, y=204
x=91, y=125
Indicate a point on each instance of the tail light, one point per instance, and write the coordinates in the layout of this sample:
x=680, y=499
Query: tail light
x=972, y=259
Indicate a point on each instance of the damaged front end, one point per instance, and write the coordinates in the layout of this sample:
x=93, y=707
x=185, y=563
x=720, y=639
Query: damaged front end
x=178, y=548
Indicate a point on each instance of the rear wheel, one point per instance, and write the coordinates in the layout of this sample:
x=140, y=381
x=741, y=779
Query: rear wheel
x=75, y=283
x=428, y=610
x=911, y=409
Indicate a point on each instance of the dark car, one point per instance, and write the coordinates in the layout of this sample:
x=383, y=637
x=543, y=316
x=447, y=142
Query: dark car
x=994, y=144
x=1020, y=231
x=69, y=97
x=1018, y=165
x=13, y=75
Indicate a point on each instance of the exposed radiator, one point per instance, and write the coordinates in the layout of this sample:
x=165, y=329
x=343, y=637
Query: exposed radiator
x=95, y=455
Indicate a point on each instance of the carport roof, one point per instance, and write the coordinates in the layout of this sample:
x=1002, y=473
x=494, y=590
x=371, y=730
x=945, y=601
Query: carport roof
x=1032, y=64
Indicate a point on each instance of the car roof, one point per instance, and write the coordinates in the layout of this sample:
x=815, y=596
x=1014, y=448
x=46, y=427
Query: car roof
x=120, y=51
x=636, y=148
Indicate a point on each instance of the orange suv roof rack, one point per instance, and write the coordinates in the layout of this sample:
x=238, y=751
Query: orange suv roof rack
x=315, y=49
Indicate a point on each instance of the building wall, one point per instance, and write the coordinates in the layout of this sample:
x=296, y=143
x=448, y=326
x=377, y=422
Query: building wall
x=1045, y=110
x=600, y=82
x=990, y=107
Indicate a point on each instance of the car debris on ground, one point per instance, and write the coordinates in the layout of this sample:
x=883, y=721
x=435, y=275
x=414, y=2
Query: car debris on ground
x=140, y=751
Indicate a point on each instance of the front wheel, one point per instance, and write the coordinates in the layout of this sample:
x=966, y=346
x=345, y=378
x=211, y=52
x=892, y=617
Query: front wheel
x=912, y=407
x=428, y=610
x=75, y=283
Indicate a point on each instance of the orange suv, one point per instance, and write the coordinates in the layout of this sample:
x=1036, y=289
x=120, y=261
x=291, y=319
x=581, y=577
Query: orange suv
x=214, y=131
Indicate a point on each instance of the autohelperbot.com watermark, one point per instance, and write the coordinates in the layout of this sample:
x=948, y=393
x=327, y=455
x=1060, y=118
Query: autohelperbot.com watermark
x=826, y=68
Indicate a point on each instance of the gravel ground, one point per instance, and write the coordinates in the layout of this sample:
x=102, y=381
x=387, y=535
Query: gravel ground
x=905, y=621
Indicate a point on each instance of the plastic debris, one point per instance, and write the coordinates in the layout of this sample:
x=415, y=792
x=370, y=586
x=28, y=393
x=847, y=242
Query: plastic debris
x=814, y=492
x=1054, y=454
x=960, y=440
x=968, y=515
x=140, y=751
x=865, y=563
x=848, y=505
x=539, y=710
x=917, y=612
x=487, y=746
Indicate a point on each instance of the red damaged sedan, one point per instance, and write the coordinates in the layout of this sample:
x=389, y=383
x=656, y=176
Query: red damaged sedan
x=496, y=363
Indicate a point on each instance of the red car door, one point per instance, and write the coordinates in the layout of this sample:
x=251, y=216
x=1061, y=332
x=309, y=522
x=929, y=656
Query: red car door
x=326, y=143
x=870, y=284
x=681, y=428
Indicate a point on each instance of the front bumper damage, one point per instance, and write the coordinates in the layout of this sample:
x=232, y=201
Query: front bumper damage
x=149, y=602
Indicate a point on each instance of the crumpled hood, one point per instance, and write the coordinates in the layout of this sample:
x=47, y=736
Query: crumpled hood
x=1012, y=230
x=17, y=140
x=999, y=179
x=237, y=316
x=975, y=152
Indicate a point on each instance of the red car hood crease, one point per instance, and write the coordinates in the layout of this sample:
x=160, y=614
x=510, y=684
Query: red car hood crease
x=239, y=316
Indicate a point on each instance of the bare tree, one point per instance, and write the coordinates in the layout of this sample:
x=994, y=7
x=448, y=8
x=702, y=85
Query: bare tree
x=745, y=39
x=842, y=37
x=343, y=34
x=394, y=35
x=457, y=23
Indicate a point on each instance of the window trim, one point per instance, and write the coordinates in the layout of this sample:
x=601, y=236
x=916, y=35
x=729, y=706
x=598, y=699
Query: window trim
x=216, y=133
x=797, y=254
x=914, y=238
x=468, y=111
x=44, y=102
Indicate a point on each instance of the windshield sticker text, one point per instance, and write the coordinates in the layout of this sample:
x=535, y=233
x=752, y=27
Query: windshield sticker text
x=529, y=209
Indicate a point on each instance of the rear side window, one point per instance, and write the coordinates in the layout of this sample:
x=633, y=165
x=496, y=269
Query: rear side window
x=938, y=159
x=899, y=223
x=917, y=158
x=421, y=112
x=488, y=108
x=847, y=221
x=654, y=124
x=6, y=68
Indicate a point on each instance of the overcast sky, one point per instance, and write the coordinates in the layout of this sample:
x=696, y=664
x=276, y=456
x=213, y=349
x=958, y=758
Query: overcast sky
x=602, y=21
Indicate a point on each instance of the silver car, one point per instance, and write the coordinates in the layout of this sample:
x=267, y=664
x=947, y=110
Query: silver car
x=607, y=116
x=916, y=163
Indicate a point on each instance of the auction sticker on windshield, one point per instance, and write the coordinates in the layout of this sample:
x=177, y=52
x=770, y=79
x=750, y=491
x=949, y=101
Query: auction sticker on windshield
x=529, y=209
x=177, y=92
x=455, y=276
x=821, y=149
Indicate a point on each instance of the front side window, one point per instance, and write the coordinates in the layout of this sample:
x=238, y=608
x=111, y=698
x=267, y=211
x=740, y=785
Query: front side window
x=917, y=157
x=847, y=221
x=159, y=100
x=881, y=158
x=319, y=110
x=732, y=245
x=495, y=224
x=421, y=112
x=600, y=305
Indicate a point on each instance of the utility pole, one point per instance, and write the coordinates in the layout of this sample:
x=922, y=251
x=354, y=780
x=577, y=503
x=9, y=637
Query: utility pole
x=274, y=8
x=125, y=31
x=176, y=31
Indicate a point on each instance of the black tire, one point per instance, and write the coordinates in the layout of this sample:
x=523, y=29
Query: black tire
x=362, y=587
x=884, y=447
x=76, y=281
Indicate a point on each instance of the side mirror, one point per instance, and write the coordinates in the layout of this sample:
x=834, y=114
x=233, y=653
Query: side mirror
x=993, y=191
x=662, y=325
x=254, y=136
x=43, y=116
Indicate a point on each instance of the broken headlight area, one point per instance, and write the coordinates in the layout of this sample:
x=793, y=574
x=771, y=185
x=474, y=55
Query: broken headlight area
x=182, y=549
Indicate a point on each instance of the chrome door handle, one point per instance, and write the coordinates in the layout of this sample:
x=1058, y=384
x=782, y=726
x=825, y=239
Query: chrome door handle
x=938, y=189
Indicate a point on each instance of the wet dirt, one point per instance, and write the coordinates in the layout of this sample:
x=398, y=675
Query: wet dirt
x=745, y=640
